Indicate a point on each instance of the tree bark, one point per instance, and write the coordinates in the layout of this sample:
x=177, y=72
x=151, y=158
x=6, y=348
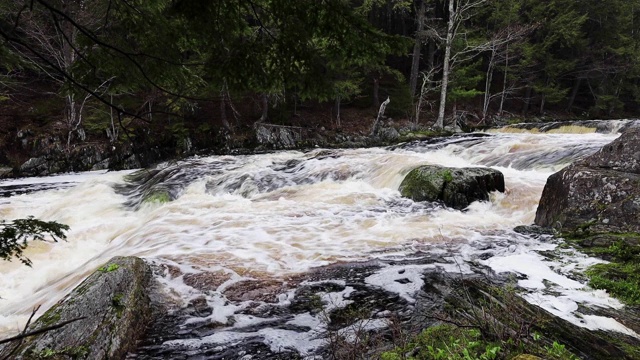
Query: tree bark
x=487, y=86
x=223, y=112
x=504, y=81
x=336, y=108
x=446, y=67
x=417, y=48
x=376, y=92
x=527, y=100
x=376, y=124
x=265, y=108
x=574, y=93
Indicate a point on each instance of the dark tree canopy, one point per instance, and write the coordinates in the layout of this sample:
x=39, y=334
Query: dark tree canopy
x=140, y=58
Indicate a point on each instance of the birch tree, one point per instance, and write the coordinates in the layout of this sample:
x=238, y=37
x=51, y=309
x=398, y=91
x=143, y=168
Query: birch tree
x=458, y=12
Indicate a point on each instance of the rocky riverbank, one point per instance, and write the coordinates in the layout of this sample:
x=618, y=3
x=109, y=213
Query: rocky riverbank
x=463, y=293
x=48, y=155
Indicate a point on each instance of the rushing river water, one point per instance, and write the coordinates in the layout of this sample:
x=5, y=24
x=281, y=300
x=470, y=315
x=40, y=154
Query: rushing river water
x=271, y=215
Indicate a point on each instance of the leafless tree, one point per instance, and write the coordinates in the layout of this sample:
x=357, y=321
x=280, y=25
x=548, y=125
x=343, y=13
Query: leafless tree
x=56, y=40
x=500, y=53
x=459, y=11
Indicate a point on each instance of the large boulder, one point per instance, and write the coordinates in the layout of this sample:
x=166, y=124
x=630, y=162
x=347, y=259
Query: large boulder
x=455, y=187
x=599, y=194
x=115, y=309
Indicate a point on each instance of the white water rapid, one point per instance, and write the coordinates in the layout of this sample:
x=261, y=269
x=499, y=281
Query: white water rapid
x=271, y=215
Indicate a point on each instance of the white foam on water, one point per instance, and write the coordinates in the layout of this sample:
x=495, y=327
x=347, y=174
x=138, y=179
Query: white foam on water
x=551, y=287
x=337, y=300
x=402, y=280
x=279, y=214
x=62, y=178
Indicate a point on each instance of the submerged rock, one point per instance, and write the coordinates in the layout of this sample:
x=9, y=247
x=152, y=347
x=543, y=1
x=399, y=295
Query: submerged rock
x=599, y=194
x=114, y=310
x=455, y=187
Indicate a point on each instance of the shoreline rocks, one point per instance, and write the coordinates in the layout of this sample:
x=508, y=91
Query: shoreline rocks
x=113, y=309
x=597, y=195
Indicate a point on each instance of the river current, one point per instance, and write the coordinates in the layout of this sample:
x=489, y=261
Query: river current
x=273, y=215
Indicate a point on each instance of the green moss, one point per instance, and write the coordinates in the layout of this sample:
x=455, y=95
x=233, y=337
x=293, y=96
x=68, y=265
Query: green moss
x=118, y=303
x=622, y=280
x=72, y=352
x=447, y=176
x=425, y=184
x=620, y=277
x=109, y=268
x=158, y=197
x=49, y=318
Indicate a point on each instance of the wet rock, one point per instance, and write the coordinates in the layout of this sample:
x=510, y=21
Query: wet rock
x=206, y=281
x=256, y=290
x=101, y=165
x=533, y=230
x=5, y=172
x=599, y=194
x=387, y=134
x=483, y=303
x=277, y=136
x=114, y=306
x=455, y=187
x=34, y=167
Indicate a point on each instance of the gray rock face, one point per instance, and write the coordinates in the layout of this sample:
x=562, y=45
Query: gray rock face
x=116, y=309
x=285, y=137
x=455, y=187
x=598, y=194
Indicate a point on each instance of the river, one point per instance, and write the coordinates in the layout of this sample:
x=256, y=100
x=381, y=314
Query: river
x=272, y=215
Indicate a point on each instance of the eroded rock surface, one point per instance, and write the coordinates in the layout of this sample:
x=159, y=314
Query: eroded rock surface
x=599, y=194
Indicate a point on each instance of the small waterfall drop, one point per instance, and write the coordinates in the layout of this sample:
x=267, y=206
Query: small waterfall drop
x=270, y=214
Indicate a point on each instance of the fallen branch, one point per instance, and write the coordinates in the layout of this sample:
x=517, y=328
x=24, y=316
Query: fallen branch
x=40, y=331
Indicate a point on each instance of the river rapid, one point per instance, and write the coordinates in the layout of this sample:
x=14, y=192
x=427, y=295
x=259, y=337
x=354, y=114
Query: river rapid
x=273, y=215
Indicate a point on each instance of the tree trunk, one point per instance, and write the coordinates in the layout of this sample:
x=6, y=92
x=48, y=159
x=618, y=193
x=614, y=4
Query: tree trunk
x=417, y=48
x=71, y=117
x=223, y=112
x=376, y=92
x=416, y=120
x=487, y=86
x=504, y=82
x=376, y=124
x=574, y=93
x=446, y=67
x=527, y=101
x=542, y=100
x=265, y=108
x=431, y=55
x=336, y=108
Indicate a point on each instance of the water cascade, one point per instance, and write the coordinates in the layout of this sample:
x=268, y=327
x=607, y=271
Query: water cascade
x=271, y=216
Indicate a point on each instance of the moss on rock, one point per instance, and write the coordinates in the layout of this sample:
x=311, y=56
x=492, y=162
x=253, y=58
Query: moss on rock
x=114, y=308
x=455, y=187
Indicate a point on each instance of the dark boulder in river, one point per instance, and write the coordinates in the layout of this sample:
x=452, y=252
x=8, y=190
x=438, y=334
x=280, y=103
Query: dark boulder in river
x=599, y=194
x=115, y=310
x=455, y=187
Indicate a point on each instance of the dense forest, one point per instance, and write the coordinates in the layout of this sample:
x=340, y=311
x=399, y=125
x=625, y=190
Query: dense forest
x=112, y=69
